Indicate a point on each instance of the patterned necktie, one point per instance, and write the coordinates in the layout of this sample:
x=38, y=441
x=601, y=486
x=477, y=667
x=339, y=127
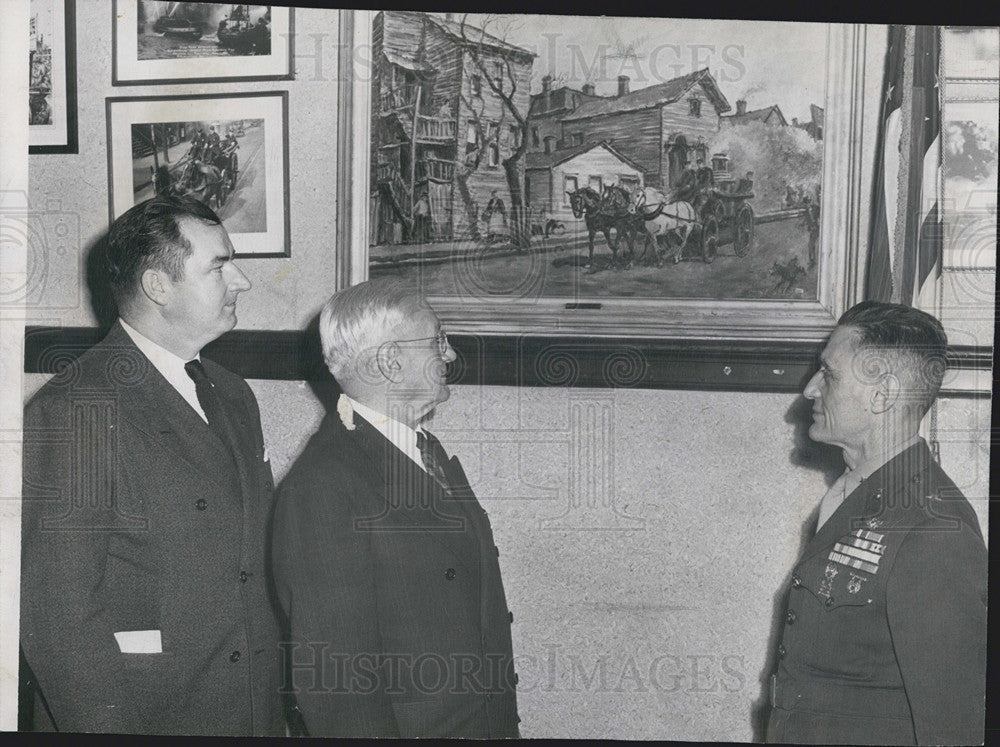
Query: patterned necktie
x=433, y=456
x=209, y=400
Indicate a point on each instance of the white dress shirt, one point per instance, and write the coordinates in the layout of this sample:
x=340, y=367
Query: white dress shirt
x=848, y=482
x=399, y=434
x=168, y=364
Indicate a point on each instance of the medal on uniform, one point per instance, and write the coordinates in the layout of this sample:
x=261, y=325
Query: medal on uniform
x=854, y=585
x=827, y=584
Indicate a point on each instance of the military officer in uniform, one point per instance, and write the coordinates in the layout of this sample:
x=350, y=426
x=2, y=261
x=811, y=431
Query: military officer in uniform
x=884, y=637
x=384, y=561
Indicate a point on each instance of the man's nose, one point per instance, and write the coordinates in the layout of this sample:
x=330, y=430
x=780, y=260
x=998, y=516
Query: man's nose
x=812, y=388
x=449, y=353
x=240, y=282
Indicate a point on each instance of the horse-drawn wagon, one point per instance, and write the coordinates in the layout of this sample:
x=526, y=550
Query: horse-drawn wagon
x=726, y=218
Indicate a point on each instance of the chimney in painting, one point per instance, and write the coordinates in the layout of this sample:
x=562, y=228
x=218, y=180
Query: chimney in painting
x=588, y=89
x=741, y=107
x=622, y=85
x=547, y=91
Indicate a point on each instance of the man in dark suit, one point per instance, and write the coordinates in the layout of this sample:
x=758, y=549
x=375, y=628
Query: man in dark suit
x=884, y=637
x=144, y=605
x=384, y=560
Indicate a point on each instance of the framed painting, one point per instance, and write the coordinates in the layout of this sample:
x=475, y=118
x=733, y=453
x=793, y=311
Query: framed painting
x=597, y=178
x=52, y=77
x=172, y=42
x=228, y=150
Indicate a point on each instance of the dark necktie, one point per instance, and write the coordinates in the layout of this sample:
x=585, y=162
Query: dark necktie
x=433, y=456
x=209, y=400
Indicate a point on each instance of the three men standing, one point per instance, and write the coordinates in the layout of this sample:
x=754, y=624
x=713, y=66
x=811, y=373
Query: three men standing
x=383, y=558
x=884, y=637
x=144, y=602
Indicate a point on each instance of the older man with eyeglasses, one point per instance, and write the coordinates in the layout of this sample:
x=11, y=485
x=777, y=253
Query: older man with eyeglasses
x=383, y=559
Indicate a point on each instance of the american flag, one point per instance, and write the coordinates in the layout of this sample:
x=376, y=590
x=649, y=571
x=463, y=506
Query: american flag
x=908, y=274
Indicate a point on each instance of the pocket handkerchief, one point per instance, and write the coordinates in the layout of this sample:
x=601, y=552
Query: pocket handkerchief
x=139, y=642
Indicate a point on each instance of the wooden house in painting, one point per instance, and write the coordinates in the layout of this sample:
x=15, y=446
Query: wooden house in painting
x=433, y=117
x=769, y=115
x=550, y=176
x=662, y=127
x=547, y=111
x=815, y=126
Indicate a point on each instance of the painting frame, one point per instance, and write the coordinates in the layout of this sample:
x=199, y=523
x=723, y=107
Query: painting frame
x=63, y=137
x=269, y=109
x=128, y=70
x=743, y=323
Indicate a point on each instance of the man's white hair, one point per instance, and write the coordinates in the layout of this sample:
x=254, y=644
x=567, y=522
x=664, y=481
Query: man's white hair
x=357, y=320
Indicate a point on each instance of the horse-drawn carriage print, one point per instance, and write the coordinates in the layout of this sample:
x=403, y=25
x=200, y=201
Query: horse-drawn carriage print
x=622, y=178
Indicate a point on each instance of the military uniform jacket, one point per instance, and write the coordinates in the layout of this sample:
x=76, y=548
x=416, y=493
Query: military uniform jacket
x=884, y=637
x=136, y=517
x=399, y=624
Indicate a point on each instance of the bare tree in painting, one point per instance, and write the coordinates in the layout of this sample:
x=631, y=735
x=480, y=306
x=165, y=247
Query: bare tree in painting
x=468, y=164
x=504, y=85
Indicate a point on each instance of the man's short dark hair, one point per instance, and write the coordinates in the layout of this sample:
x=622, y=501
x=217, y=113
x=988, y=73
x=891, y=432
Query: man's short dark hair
x=912, y=341
x=147, y=236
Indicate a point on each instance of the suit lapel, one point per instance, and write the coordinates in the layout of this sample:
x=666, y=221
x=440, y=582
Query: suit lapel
x=153, y=406
x=406, y=497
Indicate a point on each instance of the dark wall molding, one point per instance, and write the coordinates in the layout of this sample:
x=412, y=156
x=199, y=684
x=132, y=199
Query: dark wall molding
x=635, y=363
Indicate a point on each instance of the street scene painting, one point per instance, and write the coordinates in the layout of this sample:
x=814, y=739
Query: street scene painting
x=51, y=77
x=203, y=160
x=227, y=151
x=159, y=41
x=627, y=157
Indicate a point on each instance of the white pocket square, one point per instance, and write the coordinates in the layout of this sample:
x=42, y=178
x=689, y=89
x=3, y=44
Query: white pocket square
x=139, y=642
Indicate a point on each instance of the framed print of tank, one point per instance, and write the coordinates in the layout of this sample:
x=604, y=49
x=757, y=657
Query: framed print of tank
x=154, y=41
x=675, y=179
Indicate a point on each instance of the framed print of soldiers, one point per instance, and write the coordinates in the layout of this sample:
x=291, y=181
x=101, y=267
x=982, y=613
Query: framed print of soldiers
x=884, y=633
x=383, y=558
x=144, y=602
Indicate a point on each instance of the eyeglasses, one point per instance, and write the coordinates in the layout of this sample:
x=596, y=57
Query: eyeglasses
x=442, y=341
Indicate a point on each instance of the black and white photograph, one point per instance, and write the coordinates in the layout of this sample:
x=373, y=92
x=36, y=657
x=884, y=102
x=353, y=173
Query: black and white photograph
x=171, y=41
x=233, y=159
x=622, y=376
x=52, y=77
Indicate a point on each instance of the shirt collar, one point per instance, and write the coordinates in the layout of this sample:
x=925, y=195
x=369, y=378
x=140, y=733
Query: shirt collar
x=867, y=468
x=399, y=434
x=165, y=361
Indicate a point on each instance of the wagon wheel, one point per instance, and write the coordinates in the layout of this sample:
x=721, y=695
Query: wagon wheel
x=743, y=231
x=709, y=239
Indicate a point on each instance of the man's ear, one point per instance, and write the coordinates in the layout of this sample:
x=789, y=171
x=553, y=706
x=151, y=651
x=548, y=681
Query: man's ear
x=388, y=361
x=886, y=393
x=155, y=285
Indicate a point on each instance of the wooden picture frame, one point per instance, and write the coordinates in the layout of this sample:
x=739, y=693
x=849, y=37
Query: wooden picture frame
x=200, y=43
x=52, y=124
x=155, y=144
x=740, y=321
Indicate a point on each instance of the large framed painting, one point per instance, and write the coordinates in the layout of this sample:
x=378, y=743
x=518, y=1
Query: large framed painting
x=594, y=177
x=170, y=42
x=52, y=77
x=228, y=150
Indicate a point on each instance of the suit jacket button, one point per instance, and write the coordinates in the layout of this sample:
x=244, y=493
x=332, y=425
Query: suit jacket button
x=498, y=551
x=781, y=651
x=449, y=574
x=796, y=581
x=510, y=615
x=790, y=617
x=201, y=504
x=516, y=678
x=234, y=657
x=243, y=577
